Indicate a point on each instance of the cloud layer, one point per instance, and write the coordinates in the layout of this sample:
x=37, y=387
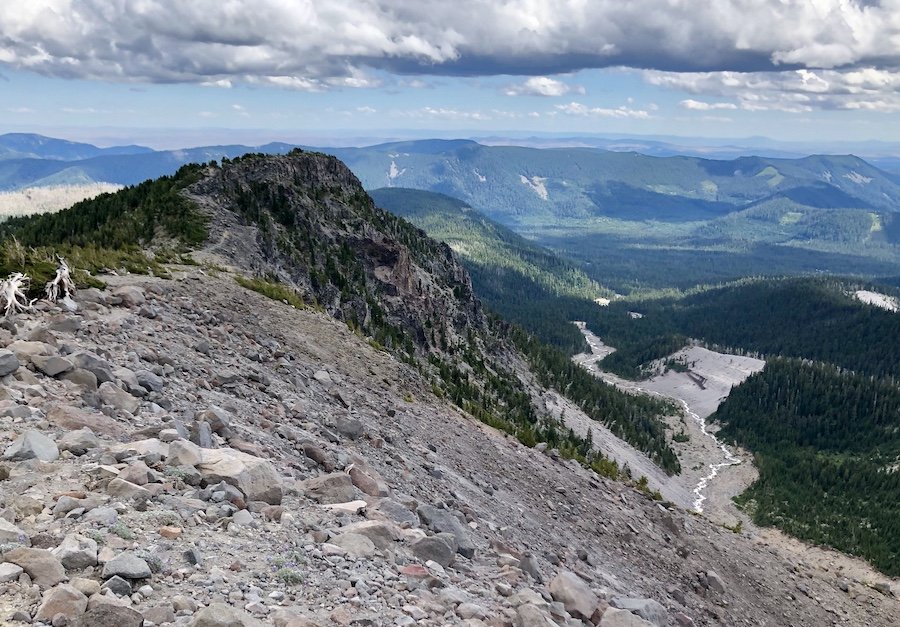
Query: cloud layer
x=853, y=46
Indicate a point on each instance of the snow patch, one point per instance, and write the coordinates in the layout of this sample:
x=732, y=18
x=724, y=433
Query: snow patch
x=858, y=178
x=480, y=177
x=826, y=176
x=878, y=300
x=537, y=185
x=394, y=172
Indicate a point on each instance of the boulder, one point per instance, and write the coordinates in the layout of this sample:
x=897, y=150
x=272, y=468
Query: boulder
x=355, y=545
x=41, y=565
x=532, y=616
x=94, y=364
x=254, y=476
x=25, y=350
x=648, y=609
x=444, y=521
x=71, y=419
x=126, y=565
x=440, y=548
x=218, y=419
x=574, y=593
x=10, y=534
x=613, y=617
x=76, y=552
x=130, y=295
x=127, y=490
x=714, y=582
x=110, y=615
x=221, y=615
x=384, y=536
x=111, y=394
x=336, y=487
x=78, y=442
x=63, y=599
x=52, y=365
x=9, y=572
x=183, y=453
x=9, y=363
x=32, y=445
x=82, y=377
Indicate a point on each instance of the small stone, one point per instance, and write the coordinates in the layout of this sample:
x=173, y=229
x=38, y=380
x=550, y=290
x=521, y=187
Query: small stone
x=170, y=532
x=9, y=572
x=117, y=585
x=76, y=552
x=715, y=583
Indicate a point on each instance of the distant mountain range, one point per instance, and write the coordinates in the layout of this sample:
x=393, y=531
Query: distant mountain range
x=572, y=199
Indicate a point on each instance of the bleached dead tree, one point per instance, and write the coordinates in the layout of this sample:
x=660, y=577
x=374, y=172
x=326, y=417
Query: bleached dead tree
x=62, y=284
x=12, y=294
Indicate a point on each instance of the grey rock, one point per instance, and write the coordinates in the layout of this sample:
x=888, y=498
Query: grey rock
x=349, y=427
x=79, y=442
x=331, y=488
x=648, y=609
x=532, y=616
x=111, y=394
x=254, y=476
x=94, y=364
x=76, y=552
x=356, y=545
x=161, y=614
x=52, y=366
x=613, y=617
x=32, y=445
x=82, y=377
x=440, y=548
x=9, y=572
x=218, y=419
x=149, y=380
x=443, y=521
x=130, y=295
x=63, y=599
x=9, y=363
x=40, y=564
x=574, y=593
x=127, y=565
x=110, y=615
x=221, y=615
x=715, y=583
x=117, y=585
x=10, y=534
x=127, y=490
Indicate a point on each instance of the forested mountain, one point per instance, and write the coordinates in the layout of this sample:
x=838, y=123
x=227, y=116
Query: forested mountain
x=32, y=146
x=827, y=445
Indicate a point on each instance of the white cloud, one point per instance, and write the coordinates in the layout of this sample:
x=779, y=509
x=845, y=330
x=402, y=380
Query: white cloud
x=543, y=86
x=312, y=46
x=366, y=110
x=697, y=105
x=581, y=110
x=795, y=91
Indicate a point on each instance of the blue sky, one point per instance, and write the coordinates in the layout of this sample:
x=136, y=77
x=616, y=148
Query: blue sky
x=170, y=74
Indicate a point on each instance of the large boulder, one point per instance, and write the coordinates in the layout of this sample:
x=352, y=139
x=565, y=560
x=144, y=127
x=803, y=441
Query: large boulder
x=336, y=487
x=254, y=476
x=574, y=593
x=221, y=615
x=63, y=599
x=613, y=617
x=76, y=552
x=126, y=565
x=111, y=394
x=41, y=565
x=9, y=363
x=71, y=418
x=110, y=615
x=440, y=548
x=10, y=534
x=94, y=364
x=444, y=521
x=130, y=295
x=32, y=445
x=78, y=442
x=648, y=609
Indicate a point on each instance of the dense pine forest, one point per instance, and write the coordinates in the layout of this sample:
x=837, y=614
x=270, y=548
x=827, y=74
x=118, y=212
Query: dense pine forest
x=827, y=445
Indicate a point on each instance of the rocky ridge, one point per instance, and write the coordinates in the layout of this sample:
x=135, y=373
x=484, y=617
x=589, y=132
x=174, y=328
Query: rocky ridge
x=188, y=452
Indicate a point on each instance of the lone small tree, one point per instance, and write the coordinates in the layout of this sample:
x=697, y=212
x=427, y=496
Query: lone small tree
x=61, y=283
x=12, y=294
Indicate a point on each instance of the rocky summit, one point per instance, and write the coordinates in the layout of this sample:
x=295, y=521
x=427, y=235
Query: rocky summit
x=185, y=451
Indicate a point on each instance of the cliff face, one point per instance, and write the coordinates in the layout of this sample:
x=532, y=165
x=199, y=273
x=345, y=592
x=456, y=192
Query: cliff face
x=305, y=220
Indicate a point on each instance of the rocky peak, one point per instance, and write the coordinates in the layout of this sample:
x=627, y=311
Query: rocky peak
x=305, y=220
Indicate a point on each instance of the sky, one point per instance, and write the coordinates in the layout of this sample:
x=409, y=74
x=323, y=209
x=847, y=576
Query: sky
x=170, y=73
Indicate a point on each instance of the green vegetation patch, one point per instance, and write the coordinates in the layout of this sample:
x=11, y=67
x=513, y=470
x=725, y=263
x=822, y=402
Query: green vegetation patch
x=274, y=290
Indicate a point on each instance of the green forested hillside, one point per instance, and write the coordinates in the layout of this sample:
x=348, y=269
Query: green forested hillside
x=827, y=445
x=796, y=317
x=515, y=278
